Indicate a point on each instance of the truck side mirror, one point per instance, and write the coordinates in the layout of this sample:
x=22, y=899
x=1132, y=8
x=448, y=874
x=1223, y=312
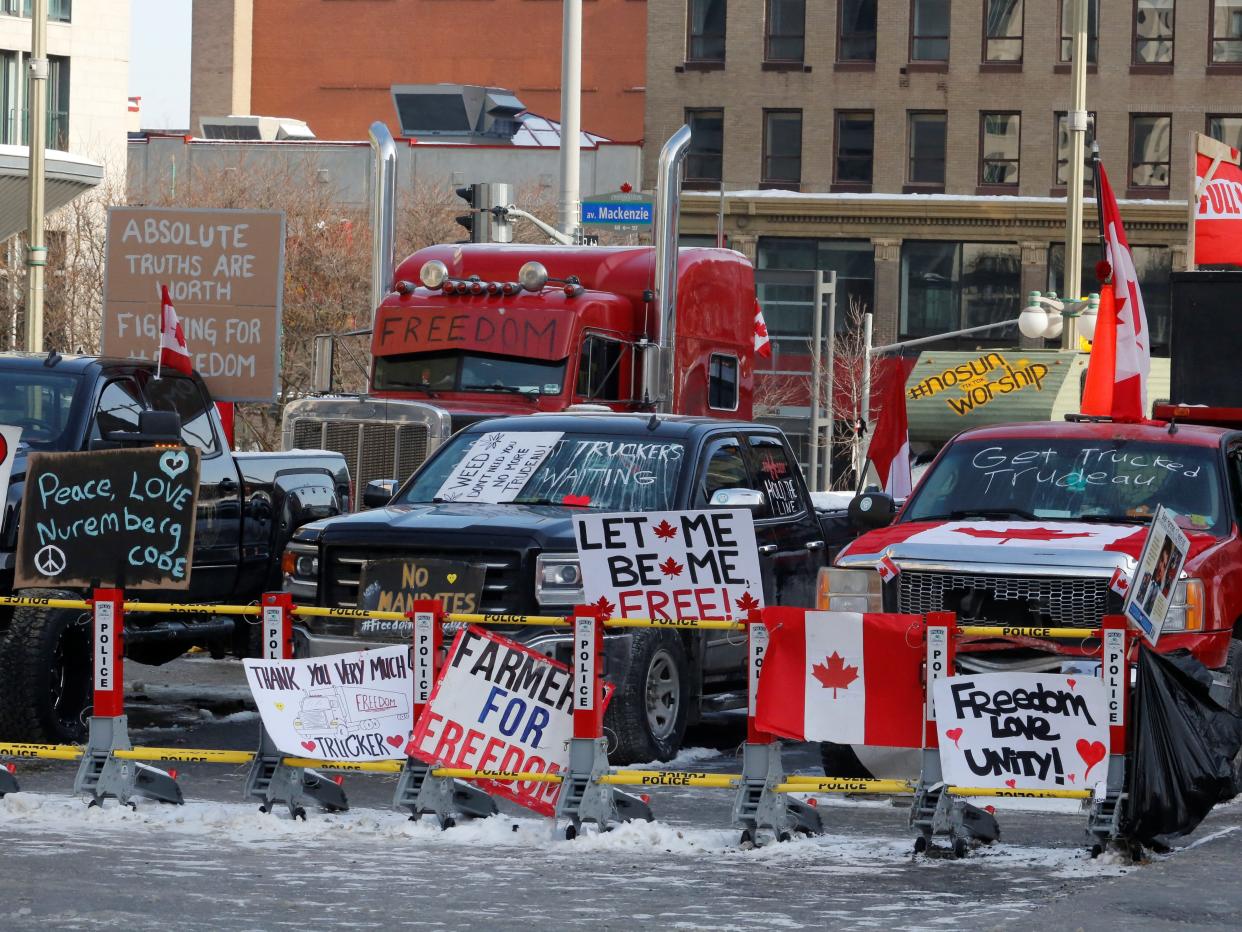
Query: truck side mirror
x=378, y=493
x=737, y=498
x=153, y=427
x=871, y=510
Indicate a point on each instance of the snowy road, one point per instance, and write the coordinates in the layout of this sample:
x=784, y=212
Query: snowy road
x=217, y=863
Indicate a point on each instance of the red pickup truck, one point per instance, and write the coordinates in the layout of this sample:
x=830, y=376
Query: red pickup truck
x=1024, y=524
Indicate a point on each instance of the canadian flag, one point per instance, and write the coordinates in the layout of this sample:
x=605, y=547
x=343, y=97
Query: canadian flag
x=1120, y=583
x=887, y=568
x=763, y=346
x=890, y=442
x=1116, y=383
x=842, y=677
x=174, y=353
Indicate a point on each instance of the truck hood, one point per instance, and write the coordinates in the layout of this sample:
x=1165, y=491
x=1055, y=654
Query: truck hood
x=549, y=526
x=1013, y=543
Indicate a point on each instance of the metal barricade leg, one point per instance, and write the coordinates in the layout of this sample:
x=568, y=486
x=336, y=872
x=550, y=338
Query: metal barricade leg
x=270, y=779
x=1104, y=818
x=756, y=806
x=100, y=774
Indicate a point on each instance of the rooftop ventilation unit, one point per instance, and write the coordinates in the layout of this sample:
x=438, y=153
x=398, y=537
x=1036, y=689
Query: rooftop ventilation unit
x=457, y=112
x=259, y=128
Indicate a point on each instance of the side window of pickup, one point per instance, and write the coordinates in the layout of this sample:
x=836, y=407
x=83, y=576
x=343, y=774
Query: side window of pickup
x=119, y=406
x=775, y=478
x=182, y=395
x=722, y=467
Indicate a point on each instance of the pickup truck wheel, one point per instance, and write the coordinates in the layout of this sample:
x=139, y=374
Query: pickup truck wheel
x=648, y=712
x=45, y=673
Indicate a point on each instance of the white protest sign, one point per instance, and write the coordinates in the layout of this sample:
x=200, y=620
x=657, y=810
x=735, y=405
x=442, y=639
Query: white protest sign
x=349, y=707
x=1155, y=581
x=670, y=564
x=10, y=437
x=501, y=707
x=1022, y=731
x=497, y=466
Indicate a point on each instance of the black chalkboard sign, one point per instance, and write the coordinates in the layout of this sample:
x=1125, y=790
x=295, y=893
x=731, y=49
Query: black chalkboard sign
x=120, y=518
x=391, y=585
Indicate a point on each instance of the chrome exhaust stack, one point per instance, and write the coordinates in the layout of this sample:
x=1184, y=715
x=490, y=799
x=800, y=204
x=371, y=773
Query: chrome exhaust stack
x=658, y=367
x=383, y=213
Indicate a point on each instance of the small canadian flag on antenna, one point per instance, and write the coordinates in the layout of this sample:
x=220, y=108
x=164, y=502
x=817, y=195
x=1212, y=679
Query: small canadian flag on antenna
x=1120, y=583
x=887, y=568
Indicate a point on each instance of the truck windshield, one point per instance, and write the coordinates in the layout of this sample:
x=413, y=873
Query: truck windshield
x=470, y=372
x=1036, y=479
x=38, y=402
x=598, y=471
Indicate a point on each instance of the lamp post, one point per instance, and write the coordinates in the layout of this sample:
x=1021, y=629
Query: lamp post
x=36, y=251
x=1047, y=317
x=1076, y=120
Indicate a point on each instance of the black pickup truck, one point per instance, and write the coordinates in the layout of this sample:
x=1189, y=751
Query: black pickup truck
x=248, y=506
x=616, y=462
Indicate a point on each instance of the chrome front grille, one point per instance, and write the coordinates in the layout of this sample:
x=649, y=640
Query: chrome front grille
x=373, y=450
x=1072, y=602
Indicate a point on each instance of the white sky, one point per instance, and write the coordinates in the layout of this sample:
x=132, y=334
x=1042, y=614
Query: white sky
x=159, y=61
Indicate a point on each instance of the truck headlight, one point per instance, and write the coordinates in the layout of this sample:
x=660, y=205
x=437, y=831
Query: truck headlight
x=558, y=579
x=839, y=590
x=299, y=569
x=1186, y=609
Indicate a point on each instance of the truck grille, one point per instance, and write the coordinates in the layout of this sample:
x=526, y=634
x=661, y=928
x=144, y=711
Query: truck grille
x=503, y=583
x=372, y=450
x=1071, y=602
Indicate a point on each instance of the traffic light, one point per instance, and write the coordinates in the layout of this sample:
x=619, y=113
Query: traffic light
x=475, y=222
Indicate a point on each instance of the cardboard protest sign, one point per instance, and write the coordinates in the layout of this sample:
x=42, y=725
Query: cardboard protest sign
x=121, y=518
x=1155, y=580
x=393, y=585
x=497, y=466
x=225, y=273
x=10, y=437
x=499, y=706
x=1022, y=731
x=670, y=564
x=349, y=707
x=1216, y=209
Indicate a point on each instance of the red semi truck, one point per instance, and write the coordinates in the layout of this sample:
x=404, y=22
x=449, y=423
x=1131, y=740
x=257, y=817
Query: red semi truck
x=469, y=331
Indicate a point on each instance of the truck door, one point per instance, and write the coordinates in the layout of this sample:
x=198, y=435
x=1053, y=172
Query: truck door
x=218, y=518
x=723, y=466
x=786, y=523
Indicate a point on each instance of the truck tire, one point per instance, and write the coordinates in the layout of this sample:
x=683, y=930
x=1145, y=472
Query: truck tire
x=648, y=711
x=45, y=673
x=839, y=760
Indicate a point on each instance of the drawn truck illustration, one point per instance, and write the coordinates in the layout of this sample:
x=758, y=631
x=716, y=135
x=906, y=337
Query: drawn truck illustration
x=472, y=331
x=248, y=506
x=1024, y=525
x=339, y=710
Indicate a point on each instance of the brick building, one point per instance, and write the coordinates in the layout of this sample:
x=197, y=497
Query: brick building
x=332, y=62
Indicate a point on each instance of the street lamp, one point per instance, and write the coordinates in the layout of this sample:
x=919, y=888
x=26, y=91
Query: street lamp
x=1044, y=316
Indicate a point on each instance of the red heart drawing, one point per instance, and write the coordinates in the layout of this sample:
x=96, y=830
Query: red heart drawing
x=309, y=745
x=1071, y=683
x=953, y=734
x=1091, y=752
x=1072, y=777
x=580, y=500
x=1011, y=783
x=395, y=740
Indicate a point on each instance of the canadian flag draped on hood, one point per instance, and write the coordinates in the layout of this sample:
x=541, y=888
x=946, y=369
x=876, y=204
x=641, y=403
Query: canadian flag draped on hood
x=1121, y=354
x=174, y=353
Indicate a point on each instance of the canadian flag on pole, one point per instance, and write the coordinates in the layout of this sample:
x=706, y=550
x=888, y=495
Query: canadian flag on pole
x=763, y=346
x=174, y=353
x=890, y=443
x=1116, y=383
x=842, y=677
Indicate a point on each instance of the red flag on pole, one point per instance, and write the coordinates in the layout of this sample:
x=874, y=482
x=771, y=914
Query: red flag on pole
x=174, y=353
x=763, y=346
x=890, y=444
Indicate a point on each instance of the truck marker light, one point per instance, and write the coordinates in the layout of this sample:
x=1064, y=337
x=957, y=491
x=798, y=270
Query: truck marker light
x=510, y=288
x=476, y=287
x=493, y=288
x=403, y=287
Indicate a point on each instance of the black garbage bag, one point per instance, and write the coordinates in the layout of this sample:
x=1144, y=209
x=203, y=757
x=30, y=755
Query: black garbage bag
x=1182, y=749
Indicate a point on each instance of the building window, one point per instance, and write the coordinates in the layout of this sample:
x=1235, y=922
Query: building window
x=1153, y=264
x=1153, y=32
x=1067, y=30
x=1063, y=145
x=1002, y=36
x=57, y=102
x=947, y=286
x=707, y=31
x=782, y=148
x=1149, y=150
x=1227, y=32
x=929, y=30
x=857, y=31
x=15, y=128
x=705, y=159
x=927, y=141
x=999, y=138
x=855, y=146
x=1226, y=129
x=785, y=37
x=58, y=11
x=722, y=383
